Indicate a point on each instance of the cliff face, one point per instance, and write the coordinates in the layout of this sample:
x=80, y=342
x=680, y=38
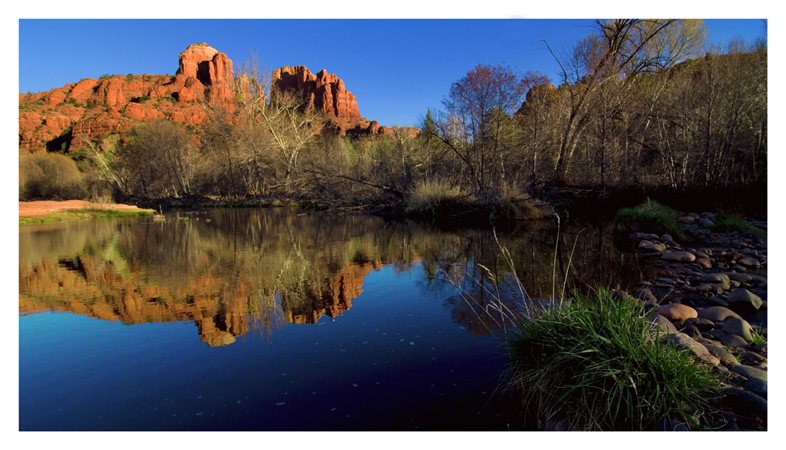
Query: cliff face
x=75, y=114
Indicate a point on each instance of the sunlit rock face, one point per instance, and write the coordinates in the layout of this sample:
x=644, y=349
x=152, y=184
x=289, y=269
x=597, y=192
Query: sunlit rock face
x=78, y=114
x=91, y=109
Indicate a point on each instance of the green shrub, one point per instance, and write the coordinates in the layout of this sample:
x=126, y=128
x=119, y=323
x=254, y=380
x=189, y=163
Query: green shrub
x=598, y=363
x=49, y=176
x=650, y=216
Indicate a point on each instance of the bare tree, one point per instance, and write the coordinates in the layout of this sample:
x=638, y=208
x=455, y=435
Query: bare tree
x=618, y=52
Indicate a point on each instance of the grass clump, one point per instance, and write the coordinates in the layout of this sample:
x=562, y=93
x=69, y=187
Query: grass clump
x=597, y=363
x=650, y=216
x=727, y=224
x=431, y=197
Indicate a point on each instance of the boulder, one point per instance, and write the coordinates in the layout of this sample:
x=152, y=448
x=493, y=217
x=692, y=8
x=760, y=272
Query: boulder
x=656, y=247
x=662, y=324
x=720, y=279
x=676, y=312
x=744, y=301
x=734, y=341
x=716, y=313
x=740, y=327
x=678, y=256
x=748, y=261
x=698, y=351
x=752, y=359
x=699, y=323
x=724, y=355
x=749, y=372
x=757, y=386
x=704, y=263
x=639, y=236
x=739, y=277
x=744, y=403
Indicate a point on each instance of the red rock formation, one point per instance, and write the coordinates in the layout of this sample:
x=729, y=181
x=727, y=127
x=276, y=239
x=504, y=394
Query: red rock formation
x=539, y=94
x=113, y=104
x=324, y=91
x=87, y=111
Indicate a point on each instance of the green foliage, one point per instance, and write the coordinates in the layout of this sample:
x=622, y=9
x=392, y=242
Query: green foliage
x=727, y=224
x=598, y=363
x=758, y=336
x=650, y=217
x=49, y=176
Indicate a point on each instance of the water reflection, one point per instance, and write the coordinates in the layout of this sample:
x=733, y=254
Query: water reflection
x=234, y=272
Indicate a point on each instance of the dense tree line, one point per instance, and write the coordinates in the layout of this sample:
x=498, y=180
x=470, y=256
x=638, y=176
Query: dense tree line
x=641, y=103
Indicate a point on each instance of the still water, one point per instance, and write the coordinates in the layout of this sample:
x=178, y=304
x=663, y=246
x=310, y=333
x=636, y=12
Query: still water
x=273, y=319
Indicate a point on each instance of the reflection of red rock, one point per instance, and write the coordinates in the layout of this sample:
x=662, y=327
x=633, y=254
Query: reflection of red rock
x=343, y=287
x=219, y=307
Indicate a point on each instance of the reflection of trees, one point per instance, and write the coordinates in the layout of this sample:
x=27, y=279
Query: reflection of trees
x=548, y=263
x=255, y=270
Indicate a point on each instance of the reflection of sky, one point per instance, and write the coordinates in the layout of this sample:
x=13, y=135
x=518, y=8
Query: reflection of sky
x=395, y=360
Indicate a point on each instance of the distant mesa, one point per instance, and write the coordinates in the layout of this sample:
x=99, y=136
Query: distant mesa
x=92, y=109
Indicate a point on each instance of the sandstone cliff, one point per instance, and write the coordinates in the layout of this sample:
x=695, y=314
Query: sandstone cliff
x=69, y=117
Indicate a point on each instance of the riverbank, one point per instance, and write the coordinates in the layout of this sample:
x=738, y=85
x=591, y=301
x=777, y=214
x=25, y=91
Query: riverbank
x=709, y=295
x=59, y=211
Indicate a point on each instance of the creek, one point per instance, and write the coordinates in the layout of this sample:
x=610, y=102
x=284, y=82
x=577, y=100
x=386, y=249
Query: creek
x=276, y=319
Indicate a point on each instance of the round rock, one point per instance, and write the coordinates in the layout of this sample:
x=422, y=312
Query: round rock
x=678, y=256
x=676, y=312
x=720, y=279
x=656, y=247
x=749, y=372
x=740, y=327
x=724, y=355
x=744, y=301
x=662, y=324
x=683, y=341
x=747, y=261
x=717, y=313
x=733, y=341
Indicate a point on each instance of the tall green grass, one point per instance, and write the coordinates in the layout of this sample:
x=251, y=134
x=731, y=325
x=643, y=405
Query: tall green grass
x=650, y=216
x=597, y=363
x=727, y=224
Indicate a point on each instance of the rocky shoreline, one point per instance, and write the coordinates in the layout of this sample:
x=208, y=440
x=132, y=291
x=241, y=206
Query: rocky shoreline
x=709, y=295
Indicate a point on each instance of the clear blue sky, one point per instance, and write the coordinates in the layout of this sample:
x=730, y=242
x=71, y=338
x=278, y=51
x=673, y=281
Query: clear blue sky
x=396, y=68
